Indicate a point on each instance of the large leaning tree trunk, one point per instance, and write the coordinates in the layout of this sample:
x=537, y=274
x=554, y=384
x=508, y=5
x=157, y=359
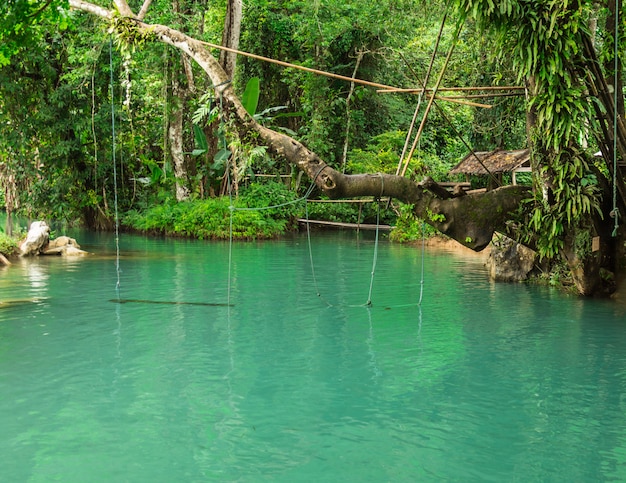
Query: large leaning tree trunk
x=470, y=219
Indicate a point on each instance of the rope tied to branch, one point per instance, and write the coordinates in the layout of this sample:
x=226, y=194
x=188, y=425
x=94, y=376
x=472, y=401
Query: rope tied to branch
x=382, y=190
x=114, y=149
x=615, y=213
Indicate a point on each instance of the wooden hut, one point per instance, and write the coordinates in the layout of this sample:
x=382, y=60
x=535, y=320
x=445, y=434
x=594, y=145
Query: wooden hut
x=497, y=162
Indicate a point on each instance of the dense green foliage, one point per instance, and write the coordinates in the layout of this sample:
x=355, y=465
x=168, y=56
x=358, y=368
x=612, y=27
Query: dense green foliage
x=265, y=209
x=25, y=23
x=544, y=42
x=56, y=88
x=203, y=219
x=408, y=227
x=211, y=218
x=8, y=245
x=63, y=91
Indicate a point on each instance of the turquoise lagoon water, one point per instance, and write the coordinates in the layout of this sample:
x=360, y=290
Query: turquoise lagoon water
x=483, y=382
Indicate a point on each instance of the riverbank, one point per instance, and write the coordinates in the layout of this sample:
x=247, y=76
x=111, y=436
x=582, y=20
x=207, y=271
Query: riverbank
x=448, y=244
x=8, y=249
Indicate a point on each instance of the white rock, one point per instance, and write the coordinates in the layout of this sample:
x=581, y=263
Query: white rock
x=38, y=236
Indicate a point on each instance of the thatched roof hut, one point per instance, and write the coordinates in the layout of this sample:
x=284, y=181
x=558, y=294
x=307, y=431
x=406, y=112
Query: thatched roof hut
x=497, y=162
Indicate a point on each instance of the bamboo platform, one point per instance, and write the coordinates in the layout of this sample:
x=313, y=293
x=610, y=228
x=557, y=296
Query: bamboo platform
x=351, y=226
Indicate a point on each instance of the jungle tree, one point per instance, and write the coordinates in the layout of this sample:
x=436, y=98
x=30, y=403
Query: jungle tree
x=573, y=97
x=473, y=230
x=569, y=97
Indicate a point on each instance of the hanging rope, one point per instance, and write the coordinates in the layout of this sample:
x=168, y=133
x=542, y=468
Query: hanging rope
x=382, y=190
x=615, y=212
x=422, y=275
x=233, y=208
x=308, y=238
x=114, y=148
x=304, y=199
x=368, y=303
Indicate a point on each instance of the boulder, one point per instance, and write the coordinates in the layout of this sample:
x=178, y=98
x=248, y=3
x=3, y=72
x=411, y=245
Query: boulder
x=509, y=261
x=63, y=241
x=63, y=245
x=38, y=242
x=72, y=251
x=37, y=238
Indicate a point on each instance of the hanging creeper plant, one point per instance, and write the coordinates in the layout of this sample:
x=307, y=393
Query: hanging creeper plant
x=544, y=41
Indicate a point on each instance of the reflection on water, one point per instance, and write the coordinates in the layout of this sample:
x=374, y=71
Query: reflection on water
x=37, y=278
x=483, y=382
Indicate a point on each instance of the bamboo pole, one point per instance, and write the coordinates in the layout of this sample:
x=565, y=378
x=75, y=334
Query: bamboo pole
x=482, y=96
x=448, y=89
x=463, y=102
x=424, y=84
x=383, y=88
x=299, y=67
x=431, y=101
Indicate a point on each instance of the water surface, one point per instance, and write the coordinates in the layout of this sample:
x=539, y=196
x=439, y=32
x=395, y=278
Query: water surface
x=483, y=382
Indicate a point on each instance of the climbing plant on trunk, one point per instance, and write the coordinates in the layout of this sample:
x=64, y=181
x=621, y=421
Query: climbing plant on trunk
x=553, y=53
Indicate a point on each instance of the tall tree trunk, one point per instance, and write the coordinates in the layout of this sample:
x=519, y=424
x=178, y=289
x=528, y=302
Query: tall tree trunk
x=9, y=201
x=181, y=91
x=175, y=134
x=595, y=270
x=230, y=38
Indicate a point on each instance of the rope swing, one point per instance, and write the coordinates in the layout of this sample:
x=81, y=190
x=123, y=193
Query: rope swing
x=304, y=198
x=615, y=213
x=114, y=148
x=368, y=304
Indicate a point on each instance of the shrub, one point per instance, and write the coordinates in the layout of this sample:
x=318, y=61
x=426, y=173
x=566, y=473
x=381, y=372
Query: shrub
x=210, y=218
x=271, y=193
x=408, y=227
x=381, y=155
x=8, y=245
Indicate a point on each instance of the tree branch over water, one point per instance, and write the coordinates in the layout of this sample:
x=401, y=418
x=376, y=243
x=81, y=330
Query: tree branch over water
x=470, y=219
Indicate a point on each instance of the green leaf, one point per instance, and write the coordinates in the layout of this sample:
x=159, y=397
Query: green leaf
x=201, y=141
x=156, y=173
x=219, y=161
x=221, y=156
x=250, y=97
